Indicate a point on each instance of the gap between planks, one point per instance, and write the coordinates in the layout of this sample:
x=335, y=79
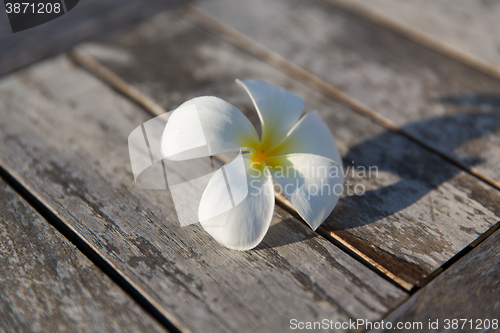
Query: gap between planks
x=483, y=237
x=438, y=272
x=93, y=254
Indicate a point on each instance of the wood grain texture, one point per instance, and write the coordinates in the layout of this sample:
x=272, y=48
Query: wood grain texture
x=47, y=285
x=440, y=102
x=469, y=290
x=418, y=36
x=470, y=26
x=89, y=19
x=64, y=136
x=418, y=210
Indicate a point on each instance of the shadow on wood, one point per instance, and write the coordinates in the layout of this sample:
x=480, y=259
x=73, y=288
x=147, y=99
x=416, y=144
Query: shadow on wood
x=418, y=173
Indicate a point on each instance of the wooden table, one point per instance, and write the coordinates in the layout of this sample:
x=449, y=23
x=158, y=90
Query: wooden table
x=83, y=248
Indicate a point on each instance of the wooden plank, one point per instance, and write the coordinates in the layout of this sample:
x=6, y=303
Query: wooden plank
x=420, y=37
x=439, y=102
x=469, y=26
x=64, y=136
x=89, y=19
x=418, y=210
x=468, y=290
x=47, y=285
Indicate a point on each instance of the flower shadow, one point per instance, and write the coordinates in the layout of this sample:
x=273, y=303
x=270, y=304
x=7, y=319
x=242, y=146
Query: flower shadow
x=285, y=232
x=406, y=171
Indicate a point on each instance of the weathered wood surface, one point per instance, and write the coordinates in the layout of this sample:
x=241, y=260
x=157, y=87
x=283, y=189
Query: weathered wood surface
x=89, y=19
x=64, y=136
x=469, y=289
x=47, y=285
x=470, y=26
x=441, y=102
x=416, y=214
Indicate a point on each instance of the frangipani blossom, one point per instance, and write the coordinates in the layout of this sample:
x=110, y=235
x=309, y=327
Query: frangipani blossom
x=238, y=203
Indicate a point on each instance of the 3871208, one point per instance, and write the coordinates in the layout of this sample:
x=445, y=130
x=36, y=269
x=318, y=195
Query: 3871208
x=478, y=324
x=33, y=8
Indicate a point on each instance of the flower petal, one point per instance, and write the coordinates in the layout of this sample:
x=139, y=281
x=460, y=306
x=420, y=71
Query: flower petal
x=238, y=203
x=310, y=135
x=278, y=109
x=312, y=183
x=206, y=126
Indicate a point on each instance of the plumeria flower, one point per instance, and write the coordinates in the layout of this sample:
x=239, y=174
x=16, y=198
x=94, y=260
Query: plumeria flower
x=300, y=156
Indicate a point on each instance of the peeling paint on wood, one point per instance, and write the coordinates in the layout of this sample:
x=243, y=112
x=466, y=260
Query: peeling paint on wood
x=468, y=290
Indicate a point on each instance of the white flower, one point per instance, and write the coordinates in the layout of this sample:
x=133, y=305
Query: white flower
x=238, y=203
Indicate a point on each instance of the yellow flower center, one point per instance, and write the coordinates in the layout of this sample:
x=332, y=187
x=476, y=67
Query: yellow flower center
x=259, y=156
x=263, y=153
